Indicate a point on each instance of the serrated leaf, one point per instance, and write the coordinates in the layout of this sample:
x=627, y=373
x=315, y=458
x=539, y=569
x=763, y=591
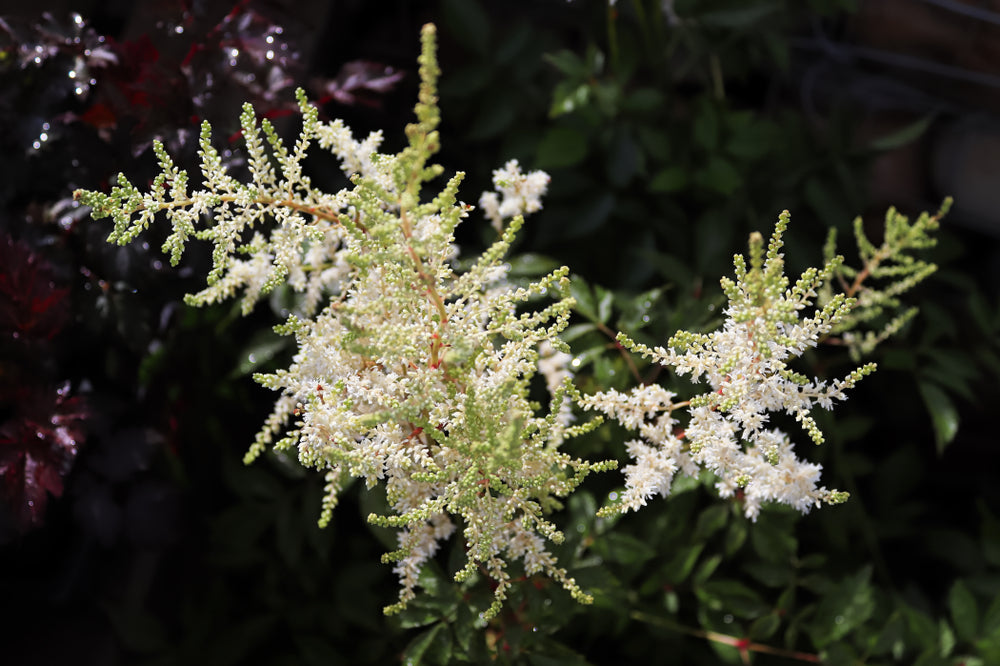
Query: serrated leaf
x=846, y=606
x=422, y=650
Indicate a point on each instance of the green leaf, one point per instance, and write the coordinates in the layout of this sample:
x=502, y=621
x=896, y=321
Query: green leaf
x=604, y=303
x=736, y=535
x=707, y=568
x=531, y=265
x=594, y=303
x=902, y=136
x=732, y=597
x=263, y=346
x=638, y=311
x=891, y=639
x=584, y=297
x=670, y=179
x=843, y=608
x=944, y=415
x=991, y=620
x=577, y=331
x=655, y=142
x=964, y=612
x=719, y=175
x=623, y=548
x=752, y=140
x=711, y=521
x=705, y=129
x=764, y=627
x=679, y=567
x=569, y=63
x=417, y=614
x=772, y=574
x=772, y=539
x=428, y=647
x=552, y=653
x=561, y=147
x=946, y=638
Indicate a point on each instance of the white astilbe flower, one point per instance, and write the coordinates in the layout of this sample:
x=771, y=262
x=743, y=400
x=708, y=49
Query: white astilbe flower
x=522, y=194
x=745, y=364
x=553, y=365
x=406, y=374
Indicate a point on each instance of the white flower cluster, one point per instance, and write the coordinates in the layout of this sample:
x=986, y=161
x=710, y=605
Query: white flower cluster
x=745, y=364
x=522, y=194
x=407, y=374
x=415, y=377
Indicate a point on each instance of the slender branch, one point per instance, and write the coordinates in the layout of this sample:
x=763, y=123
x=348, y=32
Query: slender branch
x=742, y=644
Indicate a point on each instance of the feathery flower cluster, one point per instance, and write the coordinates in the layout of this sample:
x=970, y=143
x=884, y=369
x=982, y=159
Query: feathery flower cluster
x=893, y=265
x=746, y=365
x=522, y=194
x=411, y=375
x=407, y=374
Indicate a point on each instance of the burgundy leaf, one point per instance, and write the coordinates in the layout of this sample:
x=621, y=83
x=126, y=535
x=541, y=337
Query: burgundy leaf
x=31, y=306
x=37, y=447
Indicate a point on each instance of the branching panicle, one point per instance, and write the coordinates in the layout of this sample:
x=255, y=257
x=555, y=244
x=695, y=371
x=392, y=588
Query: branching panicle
x=746, y=367
x=886, y=272
x=414, y=375
x=410, y=376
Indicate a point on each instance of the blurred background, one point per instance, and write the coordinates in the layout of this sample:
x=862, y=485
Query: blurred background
x=130, y=531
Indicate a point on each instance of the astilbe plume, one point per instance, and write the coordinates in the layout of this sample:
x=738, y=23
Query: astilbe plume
x=746, y=366
x=896, y=270
x=406, y=373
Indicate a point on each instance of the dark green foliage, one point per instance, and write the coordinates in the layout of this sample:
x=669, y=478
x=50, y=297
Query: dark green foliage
x=667, y=143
